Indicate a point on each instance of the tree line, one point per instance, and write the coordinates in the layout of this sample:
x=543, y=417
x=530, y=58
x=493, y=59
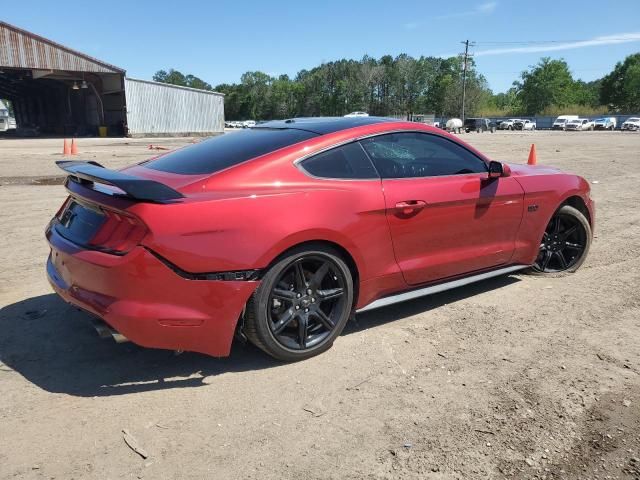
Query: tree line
x=403, y=86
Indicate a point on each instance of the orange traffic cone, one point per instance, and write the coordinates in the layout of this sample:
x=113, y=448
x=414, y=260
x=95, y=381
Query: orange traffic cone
x=65, y=148
x=533, y=159
x=74, y=147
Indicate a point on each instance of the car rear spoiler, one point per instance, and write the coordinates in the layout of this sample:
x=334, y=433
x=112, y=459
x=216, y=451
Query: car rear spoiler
x=135, y=187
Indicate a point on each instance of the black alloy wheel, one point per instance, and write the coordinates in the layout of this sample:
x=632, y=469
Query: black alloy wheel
x=301, y=306
x=565, y=242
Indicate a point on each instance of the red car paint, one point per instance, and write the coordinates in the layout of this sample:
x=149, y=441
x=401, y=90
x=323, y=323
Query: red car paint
x=244, y=217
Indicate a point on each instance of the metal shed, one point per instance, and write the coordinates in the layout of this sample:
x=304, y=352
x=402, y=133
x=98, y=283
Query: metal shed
x=159, y=109
x=56, y=90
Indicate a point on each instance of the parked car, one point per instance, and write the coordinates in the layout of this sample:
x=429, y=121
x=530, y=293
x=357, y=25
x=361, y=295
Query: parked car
x=524, y=125
x=7, y=123
x=248, y=124
x=605, y=123
x=279, y=233
x=631, y=124
x=561, y=122
x=507, y=124
x=579, y=124
x=357, y=114
x=479, y=125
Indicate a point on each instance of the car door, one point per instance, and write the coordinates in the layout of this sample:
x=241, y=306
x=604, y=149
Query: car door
x=446, y=217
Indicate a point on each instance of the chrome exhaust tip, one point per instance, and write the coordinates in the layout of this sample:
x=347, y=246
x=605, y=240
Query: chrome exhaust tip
x=105, y=331
x=118, y=337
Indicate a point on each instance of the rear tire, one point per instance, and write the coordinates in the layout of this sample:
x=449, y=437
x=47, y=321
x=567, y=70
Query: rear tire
x=302, y=305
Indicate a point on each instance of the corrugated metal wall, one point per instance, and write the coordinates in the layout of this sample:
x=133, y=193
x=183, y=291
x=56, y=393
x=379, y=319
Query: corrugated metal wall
x=158, y=109
x=22, y=49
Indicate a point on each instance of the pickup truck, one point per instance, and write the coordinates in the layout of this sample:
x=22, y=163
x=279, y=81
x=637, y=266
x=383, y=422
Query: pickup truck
x=605, y=123
x=631, y=124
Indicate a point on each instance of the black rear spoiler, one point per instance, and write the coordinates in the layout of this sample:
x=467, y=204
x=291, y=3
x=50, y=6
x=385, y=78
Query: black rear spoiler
x=135, y=187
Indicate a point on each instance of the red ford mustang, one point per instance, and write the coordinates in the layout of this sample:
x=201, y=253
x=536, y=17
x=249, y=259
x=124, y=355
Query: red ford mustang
x=279, y=233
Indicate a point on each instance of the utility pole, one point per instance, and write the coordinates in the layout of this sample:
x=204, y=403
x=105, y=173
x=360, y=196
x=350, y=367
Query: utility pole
x=466, y=44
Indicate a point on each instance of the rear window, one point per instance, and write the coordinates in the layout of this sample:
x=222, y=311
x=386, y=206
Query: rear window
x=227, y=150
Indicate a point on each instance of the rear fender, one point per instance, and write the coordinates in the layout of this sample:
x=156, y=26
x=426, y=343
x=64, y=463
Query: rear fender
x=313, y=235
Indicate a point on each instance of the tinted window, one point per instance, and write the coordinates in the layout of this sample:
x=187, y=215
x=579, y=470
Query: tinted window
x=403, y=155
x=227, y=150
x=348, y=161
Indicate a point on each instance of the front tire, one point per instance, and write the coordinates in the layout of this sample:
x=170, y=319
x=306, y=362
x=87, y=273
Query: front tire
x=302, y=305
x=565, y=243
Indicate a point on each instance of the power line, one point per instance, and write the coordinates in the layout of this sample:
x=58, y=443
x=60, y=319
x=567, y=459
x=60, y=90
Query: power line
x=538, y=42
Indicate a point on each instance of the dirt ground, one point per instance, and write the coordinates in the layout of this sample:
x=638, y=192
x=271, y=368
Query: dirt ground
x=517, y=377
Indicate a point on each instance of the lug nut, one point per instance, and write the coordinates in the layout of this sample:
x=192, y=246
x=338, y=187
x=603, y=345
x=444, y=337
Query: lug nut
x=306, y=310
x=298, y=296
x=309, y=291
x=313, y=300
x=297, y=307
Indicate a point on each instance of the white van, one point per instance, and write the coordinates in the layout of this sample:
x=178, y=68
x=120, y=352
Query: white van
x=562, y=120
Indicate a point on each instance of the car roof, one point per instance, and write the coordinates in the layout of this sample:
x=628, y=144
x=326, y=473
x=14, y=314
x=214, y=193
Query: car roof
x=324, y=125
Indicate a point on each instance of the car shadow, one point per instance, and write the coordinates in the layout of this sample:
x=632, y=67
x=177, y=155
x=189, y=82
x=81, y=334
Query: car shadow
x=54, y=346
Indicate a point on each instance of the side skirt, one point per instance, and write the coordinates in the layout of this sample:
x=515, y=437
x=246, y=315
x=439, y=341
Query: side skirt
x=441, y=287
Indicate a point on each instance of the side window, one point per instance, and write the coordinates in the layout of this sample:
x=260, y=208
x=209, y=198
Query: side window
x=348, y=161
x=406, y=155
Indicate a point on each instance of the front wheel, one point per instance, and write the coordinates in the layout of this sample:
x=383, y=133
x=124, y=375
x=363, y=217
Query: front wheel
x=303, y=303
x=565, y=242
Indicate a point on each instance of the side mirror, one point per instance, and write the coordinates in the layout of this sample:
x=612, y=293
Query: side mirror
x=497, y=170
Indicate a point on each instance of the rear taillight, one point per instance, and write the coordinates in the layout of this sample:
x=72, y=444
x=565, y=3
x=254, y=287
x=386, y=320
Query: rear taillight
x=119, y=233
x=63, y=208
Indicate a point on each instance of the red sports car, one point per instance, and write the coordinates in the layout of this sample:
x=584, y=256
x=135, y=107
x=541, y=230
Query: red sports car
x=279, y=233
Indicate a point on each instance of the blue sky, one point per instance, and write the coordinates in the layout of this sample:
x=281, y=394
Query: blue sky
x=218, y=41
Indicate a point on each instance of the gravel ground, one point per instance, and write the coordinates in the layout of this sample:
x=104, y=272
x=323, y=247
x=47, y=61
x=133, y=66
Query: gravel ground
x=518, y=377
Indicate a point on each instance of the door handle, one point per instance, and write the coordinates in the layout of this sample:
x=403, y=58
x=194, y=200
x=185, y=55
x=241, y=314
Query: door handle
x=408, y=207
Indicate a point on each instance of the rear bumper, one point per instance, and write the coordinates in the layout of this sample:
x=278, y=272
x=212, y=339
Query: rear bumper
x=145, y=300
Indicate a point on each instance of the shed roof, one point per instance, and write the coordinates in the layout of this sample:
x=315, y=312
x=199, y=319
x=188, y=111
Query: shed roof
x=22, y=49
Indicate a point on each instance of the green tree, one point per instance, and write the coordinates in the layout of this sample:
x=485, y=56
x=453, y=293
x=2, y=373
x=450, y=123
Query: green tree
x=620, y=90
x=545, y=84
x=175, y=77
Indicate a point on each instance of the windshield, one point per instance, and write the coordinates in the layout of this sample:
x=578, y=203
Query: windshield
x=228, y=150
x=634, y=119
x=561, y=120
